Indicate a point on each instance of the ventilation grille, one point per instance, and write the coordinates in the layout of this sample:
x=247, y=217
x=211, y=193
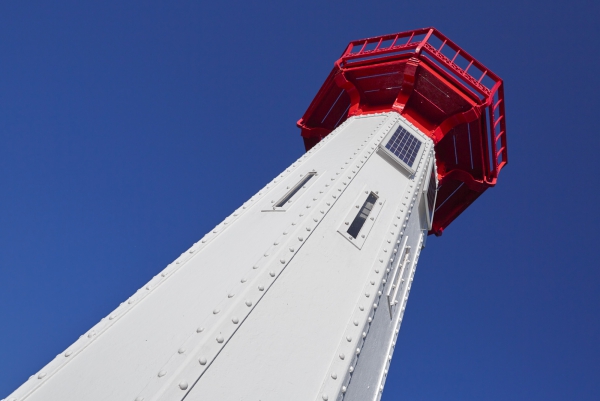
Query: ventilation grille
x=404, y=145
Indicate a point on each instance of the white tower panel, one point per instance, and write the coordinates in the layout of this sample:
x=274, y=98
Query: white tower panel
x=298, y=295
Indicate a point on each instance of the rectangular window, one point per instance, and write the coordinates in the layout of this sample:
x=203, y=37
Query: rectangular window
x=362, y=215
x=290, y=194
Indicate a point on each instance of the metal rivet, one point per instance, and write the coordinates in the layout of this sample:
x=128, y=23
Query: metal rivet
x=325, y=397
x=216, y=311
x=362, y=308
x=342, y=356
x=351, y=369
x=343, y=389
x=348, y=338
x=272, y=273
x=68, y=353
x=220, y=339
x=334, y=376
x=162, y=373
x=183, y=385
x=261, y=287
x=139, y=398
x=282, y=261
x=42, y=375
x=230, y=295
x=199, y=329
x=202, y=361
x=248, y=303
x=356, y=322
x=235, y=320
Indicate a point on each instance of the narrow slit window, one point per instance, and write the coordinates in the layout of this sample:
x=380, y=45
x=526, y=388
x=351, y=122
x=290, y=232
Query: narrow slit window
x=431, y=194
x=362, y=215
x=290, y=194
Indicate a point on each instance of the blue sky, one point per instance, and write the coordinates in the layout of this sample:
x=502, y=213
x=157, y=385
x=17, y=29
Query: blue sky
x=129, y=129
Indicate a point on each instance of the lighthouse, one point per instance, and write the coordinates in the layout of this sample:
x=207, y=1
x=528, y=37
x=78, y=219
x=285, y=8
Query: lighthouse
x=300, y=293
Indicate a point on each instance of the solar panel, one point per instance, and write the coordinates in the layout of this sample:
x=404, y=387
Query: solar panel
x=404, y=145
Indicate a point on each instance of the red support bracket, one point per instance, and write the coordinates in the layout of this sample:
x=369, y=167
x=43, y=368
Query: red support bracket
x=408, y=84
x=468, y=116
x=341, y=81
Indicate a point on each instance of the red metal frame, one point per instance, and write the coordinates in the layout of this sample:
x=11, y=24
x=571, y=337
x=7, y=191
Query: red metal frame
x=430, y=80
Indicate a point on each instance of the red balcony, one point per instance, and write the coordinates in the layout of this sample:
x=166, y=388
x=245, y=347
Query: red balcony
x=437, y=86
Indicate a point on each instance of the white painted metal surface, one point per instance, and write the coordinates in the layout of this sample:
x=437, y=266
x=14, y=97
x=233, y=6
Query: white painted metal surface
x=299, y=310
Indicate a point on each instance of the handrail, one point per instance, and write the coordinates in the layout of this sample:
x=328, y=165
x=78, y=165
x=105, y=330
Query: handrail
x=424, y=48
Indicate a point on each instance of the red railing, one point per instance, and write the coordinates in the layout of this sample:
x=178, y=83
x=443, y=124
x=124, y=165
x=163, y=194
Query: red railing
x=459, y=64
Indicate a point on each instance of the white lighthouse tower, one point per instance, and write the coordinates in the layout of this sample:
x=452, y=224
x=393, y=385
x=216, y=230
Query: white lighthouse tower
x=299, y=294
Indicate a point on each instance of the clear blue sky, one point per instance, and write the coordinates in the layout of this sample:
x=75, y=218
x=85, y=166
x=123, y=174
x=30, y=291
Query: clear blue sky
x=129, y=129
